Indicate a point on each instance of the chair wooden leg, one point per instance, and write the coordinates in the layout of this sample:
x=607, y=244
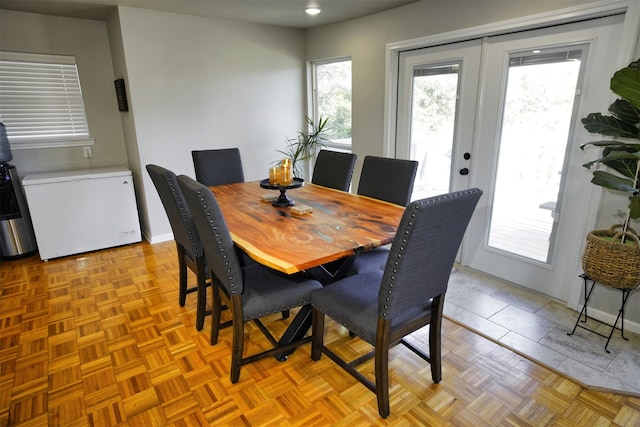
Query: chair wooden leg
x=382, y=366
x=238, y=338
x=435, y=339
x=317, y=334
x=216, y=312
x=182, y=274
x=201, y=306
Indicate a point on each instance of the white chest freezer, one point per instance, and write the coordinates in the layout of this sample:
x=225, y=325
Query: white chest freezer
x=80, y=211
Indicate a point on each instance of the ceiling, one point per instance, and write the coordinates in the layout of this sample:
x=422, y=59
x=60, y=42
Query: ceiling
x=286, y=13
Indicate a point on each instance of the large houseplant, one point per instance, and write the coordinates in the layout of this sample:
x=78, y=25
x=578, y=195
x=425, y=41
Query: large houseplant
x=612, y=257
x=306, y=145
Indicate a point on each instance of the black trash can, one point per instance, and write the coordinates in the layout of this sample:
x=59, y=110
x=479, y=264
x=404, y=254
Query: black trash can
x=17, y=239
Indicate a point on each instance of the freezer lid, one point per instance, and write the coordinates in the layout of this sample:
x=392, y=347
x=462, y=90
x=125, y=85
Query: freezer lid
x=75, y=175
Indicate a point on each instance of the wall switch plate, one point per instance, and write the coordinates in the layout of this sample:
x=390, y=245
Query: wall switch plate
x=87, y=151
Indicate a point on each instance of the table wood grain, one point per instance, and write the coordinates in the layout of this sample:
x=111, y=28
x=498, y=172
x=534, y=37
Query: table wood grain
x=340, y=225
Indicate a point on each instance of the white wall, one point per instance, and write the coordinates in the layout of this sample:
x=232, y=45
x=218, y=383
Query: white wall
x=192, y=83
x=196, y=83
x=87, y=40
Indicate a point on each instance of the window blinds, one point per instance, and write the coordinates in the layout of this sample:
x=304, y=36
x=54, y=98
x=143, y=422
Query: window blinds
x=41, y=100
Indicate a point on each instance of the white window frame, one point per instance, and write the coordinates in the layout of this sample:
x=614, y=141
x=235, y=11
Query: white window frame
x=41, y=101
x=341, y=144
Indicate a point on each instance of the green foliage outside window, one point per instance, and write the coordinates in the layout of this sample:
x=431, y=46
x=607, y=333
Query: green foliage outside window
x=334, y=97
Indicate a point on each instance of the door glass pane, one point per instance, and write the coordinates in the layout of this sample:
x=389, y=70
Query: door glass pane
x=432, y=124
x=538, y=107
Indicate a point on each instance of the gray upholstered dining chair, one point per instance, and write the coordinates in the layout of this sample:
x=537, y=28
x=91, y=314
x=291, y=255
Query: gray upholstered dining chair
x=385, y=179
x=190, y=253
x=250, y=293
x=334, y=169
x=382, y=307
x=218, y=166
x=388, y=179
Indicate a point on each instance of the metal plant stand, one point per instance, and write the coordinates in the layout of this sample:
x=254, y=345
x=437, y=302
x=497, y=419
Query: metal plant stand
x=587, y=297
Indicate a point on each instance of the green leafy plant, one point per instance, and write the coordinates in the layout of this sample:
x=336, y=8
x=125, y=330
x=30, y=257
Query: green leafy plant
x=307, y=144
x=621, y=156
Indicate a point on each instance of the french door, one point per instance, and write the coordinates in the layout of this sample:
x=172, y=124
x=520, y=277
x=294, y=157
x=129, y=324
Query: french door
x=502, y=114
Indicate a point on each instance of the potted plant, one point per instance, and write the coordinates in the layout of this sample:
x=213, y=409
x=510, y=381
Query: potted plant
x=306, y=145
x=612, y=257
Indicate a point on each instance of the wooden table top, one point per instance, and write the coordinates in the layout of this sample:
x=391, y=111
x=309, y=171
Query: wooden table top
x=340, y=225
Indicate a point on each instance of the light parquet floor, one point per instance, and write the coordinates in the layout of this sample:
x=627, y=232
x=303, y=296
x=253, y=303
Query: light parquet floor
x=99, y=339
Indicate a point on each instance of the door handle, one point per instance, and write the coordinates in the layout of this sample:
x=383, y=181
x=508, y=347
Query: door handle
x=464, y=171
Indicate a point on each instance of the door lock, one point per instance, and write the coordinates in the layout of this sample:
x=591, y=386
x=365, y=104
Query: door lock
x=464, y=171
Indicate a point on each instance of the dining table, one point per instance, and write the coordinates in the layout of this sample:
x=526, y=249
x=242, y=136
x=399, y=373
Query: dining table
x=322, y=242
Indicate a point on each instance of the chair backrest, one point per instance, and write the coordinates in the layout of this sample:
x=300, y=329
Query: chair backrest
x=217, y=243
x=424, y=250
x=334, y=169
x=388, y=179
x=184, y=231
x=217, y=167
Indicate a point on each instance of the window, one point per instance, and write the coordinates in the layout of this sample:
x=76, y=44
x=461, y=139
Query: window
x=332, y=99
x=41, y=101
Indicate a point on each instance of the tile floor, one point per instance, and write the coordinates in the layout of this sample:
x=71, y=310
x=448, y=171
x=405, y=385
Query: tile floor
x=537, y=327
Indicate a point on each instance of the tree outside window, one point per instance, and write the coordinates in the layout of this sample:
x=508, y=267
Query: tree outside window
x=332, y=99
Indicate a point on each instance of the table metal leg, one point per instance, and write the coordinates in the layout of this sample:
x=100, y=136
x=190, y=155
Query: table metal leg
x=297, y=330
x=333, y=271
x=299, y=326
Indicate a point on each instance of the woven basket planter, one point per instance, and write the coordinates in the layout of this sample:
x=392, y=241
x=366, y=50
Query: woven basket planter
x=610, y=262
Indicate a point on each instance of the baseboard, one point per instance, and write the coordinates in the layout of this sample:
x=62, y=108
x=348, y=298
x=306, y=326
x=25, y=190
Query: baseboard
x=609, y=318
x=159, y=238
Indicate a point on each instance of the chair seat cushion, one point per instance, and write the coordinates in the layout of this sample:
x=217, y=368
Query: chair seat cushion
x=267, y=291
x=352, y=302
x=375, y=259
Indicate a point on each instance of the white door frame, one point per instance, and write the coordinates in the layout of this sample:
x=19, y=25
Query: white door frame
x=631, y=30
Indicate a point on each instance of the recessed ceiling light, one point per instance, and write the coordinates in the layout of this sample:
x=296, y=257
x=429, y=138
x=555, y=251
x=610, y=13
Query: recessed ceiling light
x=312, y=10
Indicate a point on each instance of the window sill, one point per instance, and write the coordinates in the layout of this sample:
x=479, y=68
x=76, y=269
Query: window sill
x=32, y=145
